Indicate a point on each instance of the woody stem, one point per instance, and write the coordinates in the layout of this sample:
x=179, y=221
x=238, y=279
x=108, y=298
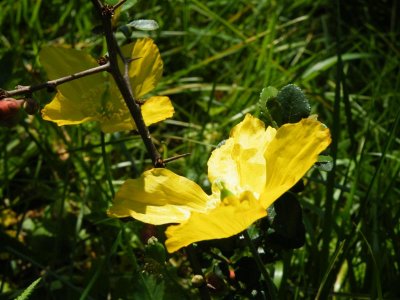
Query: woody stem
x=22, y=90
x=269, y=285
x=122, y=80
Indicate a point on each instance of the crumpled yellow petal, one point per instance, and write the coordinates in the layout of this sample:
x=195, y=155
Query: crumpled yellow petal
x=63, y=112
x=92, y=105
x=113, y=114
x=222, y=167
x=86, y=99
x=146, y=70
x=159, y=196
x=290, y=154
x=233, y=216
x=240, y=162
x=155, y=109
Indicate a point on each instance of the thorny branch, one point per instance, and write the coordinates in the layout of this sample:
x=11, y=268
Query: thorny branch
x=122, y=80
x=23, y=90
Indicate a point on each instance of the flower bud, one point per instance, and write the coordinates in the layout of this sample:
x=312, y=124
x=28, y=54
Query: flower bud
x=155, y=250
x=197, y=280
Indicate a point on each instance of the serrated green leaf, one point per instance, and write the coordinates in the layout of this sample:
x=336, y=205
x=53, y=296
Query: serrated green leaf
x=150, y=288
x=289, y=106
x=29, y=290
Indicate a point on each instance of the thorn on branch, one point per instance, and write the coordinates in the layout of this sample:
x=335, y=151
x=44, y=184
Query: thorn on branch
x=122, y=79
x=102, y=60
x=140, y=102
x=119, y=4
x=52, y=84
x=107, y=11
x=129, y=60
x=168, y=160
x=159, y=163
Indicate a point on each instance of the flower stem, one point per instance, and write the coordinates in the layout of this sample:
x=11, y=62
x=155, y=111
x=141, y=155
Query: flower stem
x=269, y=285
x=106, y=163
x=194, y=262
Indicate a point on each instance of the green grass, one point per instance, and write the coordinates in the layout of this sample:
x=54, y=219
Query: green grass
x=218, y=55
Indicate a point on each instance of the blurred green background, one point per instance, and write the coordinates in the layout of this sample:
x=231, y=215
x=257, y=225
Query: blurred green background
x=218, y=55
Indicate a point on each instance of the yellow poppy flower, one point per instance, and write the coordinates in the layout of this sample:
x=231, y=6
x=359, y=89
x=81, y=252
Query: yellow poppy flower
x=252, y=169
x=96, y=97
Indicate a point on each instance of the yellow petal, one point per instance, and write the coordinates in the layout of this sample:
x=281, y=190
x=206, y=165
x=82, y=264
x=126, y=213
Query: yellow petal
x=96, y=97
x=222, y=166
x=64, y=112
x=290, y=154
x=159, y=196
x=240, y=162
x=61, y=61
x=91, y=98
x=146, y=70
x=233, y=216
x=123, y=123
x=115, y=115
x=156, y=109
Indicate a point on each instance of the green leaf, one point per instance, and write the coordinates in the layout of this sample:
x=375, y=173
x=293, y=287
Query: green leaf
x=289, y=106
x=326, y=64
x=144, y=24
x=294, y=103
x=267, y=94
x=29, y=290
x=150, y=288
x=128, y=5
x=324, y=163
